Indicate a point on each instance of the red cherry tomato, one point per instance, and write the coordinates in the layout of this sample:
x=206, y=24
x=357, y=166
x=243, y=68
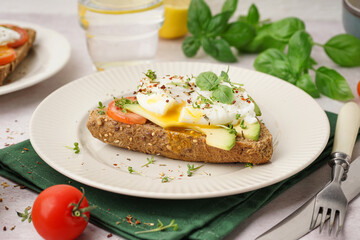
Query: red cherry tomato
x=54, y=216
x=125, y=117
x=24, y=37
x=358, y=88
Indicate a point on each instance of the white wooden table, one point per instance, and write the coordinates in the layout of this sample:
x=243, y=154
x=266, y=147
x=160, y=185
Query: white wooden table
x=323, y=20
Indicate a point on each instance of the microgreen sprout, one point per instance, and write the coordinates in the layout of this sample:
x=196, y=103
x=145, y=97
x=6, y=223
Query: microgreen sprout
x=101, y=107
x=120, y=103
x=191, y=169
x=161, y=227
x=242, y=124
x=131, y=170
x=149, y=161
x=165, y=179
x=237, y=116
x=26, y=215
x=76, y=147
x=230, y=128
x=250, y=165
x=151, y=74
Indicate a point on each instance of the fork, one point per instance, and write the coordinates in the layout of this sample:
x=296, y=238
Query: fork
x=331, y=200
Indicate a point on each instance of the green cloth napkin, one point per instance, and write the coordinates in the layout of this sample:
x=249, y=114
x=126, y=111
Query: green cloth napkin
x=207, y=219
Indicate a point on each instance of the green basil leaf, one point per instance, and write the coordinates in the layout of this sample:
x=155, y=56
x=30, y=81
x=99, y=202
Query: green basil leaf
x=299, y=49
x=218, y=49
x=311, y=63
x=223, y=94
x=207, y=81
x=332, y=84
x=229, y=6
x=344, y=49
x=199, y=16
x=262, y=41
x=242, y=18
x=282, y=30
x=224, y=77
x=253, y=15
x=306, y=83
x=218, y=24
x=276, y=63
x=238, y=34
x=190, y=46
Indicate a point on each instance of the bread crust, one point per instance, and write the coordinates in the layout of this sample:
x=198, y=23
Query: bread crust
x=21, y=53
x=180, y=144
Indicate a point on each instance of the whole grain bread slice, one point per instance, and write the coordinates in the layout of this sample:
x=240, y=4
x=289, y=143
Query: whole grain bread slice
x=21, y=53
x=180, y=144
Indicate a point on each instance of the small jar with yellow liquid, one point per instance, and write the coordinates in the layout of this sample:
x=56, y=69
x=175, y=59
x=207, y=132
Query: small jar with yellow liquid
x=175, y=24
x=121, y=32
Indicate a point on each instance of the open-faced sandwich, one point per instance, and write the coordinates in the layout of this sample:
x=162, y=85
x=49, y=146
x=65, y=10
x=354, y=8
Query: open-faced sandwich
x=204, y=118
x=15, y=43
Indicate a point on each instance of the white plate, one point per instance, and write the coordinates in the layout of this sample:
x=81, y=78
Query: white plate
x=299, y=126
x=49, y=54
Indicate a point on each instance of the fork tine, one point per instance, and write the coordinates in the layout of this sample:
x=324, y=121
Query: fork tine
x=332, y=219
x=323, y=218
x=341, y=221
x=314, y=217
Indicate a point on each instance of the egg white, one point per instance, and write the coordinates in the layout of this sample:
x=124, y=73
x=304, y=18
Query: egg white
x=8, y=35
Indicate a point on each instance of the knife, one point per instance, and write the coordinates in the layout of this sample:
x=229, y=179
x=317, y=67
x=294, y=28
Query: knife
x=297, y=224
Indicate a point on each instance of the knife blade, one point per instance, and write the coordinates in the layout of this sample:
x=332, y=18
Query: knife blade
x=297, y=224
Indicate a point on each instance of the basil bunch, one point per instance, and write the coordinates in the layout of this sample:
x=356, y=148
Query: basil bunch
x=251, y=35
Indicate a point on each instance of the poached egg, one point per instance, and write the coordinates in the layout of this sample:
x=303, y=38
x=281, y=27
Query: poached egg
x=177, y=99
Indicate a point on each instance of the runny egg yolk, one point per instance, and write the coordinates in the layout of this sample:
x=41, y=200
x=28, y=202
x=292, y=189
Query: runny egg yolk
x=172, y=116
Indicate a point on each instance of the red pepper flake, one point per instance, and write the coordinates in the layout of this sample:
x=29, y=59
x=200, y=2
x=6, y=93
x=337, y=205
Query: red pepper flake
x=29, y=172
x=109, y=235
x=128, y=219
x=234, y=101
x=137, y=222
x=115, y=164
x=237, y=91
x=4, y=228
x=167, y=100
x=26, y=149
x=38, y=162
x=171, y=78
x=243, y=99
x=108, y=209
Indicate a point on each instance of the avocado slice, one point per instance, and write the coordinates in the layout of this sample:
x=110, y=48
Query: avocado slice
x=216, y=137
x=251, y=130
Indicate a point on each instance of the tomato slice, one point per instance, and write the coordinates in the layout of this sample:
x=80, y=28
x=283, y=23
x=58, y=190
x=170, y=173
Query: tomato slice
x=128, y=117
x=7, y=55
x=24, y=37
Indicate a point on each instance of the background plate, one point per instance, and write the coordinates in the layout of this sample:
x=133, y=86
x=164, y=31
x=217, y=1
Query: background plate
x=299, y=126
x=49, y=54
